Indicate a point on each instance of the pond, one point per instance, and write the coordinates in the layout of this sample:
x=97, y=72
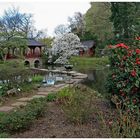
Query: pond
x=96, y=77
x=55, y=78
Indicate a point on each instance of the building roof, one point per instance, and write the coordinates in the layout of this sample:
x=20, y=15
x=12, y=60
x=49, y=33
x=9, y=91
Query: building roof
x=88, y=44
x=33, y=42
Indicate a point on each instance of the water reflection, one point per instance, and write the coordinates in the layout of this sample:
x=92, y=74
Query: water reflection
x=96, y=79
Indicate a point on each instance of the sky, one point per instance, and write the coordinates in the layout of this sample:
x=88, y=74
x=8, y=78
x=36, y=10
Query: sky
x=47, y=14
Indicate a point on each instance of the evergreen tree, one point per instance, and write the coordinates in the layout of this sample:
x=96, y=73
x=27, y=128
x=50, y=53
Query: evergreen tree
x=126, y=21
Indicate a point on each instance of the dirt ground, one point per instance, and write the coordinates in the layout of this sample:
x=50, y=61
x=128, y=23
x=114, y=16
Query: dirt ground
x=56, y=125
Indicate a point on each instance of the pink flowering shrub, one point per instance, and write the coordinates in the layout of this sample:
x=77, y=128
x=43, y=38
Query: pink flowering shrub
x=124, y=80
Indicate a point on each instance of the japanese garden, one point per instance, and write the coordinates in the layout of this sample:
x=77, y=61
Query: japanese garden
x=83, y=82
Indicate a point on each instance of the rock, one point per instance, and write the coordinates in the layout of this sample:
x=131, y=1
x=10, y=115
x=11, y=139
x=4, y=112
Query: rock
x=72, y=72
x=25, y=99
x=12, y=91
x=19, y=104
x=76, y=81
x=47, y=89
x=80, y=77
x=59, y=85
x=70, y=81
x=43, y=93
x=6, y=108
x=38, y=96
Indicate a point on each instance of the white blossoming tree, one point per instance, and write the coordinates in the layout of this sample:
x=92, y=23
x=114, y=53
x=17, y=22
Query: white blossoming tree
x=65, y=46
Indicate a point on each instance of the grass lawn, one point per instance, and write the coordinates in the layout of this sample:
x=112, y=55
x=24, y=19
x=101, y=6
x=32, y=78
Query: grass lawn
x=89, y=62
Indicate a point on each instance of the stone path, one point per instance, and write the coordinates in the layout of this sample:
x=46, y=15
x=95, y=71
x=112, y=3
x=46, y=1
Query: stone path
x=44, y=91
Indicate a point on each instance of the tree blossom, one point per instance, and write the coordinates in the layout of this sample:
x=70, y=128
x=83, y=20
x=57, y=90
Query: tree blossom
x=65, y=46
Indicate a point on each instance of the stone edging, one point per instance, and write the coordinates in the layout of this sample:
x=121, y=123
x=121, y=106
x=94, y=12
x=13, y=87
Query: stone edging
x=44, y=91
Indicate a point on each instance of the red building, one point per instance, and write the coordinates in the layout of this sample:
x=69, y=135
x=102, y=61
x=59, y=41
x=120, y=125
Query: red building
x=88, y=48
x=33, y=50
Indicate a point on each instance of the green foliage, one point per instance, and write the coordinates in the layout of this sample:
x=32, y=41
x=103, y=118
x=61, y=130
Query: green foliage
x=4, y=135
x=3, y=89
x=124, y=80
x=12, y=74
x=47, y=41
x=37, y=78
x=63, y=95
x=51, y=97
x=22, y=118
x=82, y=63
x=78, y=104
x=120, y=124
x=97, y=20
x=26, y=87
x=87, y=35
x=11, y=70
x=13, y=31
x=126, y=22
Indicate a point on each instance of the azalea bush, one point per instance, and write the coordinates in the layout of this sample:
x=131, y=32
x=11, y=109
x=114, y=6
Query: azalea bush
x=124, y=80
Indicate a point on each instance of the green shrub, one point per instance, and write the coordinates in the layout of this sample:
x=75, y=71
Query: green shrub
x=78, y=105
x=26, y=87
x=3, y=89
x=120, y=124
x=13, y=73
x=37, y=78
x=22, y=118
x=51, y=97
x=63, y=95
x=4, y=135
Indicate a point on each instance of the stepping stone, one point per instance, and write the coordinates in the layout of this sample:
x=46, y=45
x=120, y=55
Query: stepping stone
x=47, y=89
x=70, y=82
x=59, y=85
x=72, y=72
x=63, y=87
x=26, y=99
x=78, y=74
x=64, y=72
x=43, y=93
x=80, y=77
x=6, y=108
x=19, y=104
x=38, y=96
x=56, y=71
x=76, y=81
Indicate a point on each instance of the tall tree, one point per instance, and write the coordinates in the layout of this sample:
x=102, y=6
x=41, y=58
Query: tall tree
x=47, y=41
x=97, y=20
x=14, y=27
x=65, y=46
x=77, y=24
x=61, y=29
x=126, y=21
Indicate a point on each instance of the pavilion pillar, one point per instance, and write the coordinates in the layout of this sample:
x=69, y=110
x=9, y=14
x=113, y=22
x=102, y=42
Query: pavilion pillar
x=40, y=51
x=33, y=51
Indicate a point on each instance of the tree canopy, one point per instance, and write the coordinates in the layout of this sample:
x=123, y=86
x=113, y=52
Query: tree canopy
x=126, y=20
x=65, y=46
x=97, y=20
x=14, y=27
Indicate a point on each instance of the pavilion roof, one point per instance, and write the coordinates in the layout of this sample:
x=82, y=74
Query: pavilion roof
x=33, y=42
x=88, y=43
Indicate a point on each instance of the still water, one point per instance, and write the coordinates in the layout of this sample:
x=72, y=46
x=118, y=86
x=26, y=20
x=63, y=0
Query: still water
x=96, y=78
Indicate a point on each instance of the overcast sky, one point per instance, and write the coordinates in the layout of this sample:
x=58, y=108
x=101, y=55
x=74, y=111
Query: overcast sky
x=47, y=14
